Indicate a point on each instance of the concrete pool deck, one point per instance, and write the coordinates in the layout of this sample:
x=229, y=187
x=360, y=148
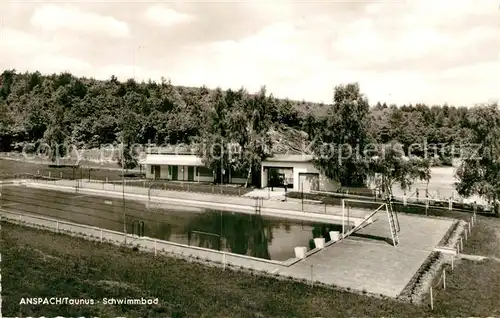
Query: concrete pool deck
x=356, y=263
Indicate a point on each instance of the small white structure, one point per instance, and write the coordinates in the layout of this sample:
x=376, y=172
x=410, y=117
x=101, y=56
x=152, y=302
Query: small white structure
x=300, y=252
x=297, y=170
x=334, y=236
x=319, y=242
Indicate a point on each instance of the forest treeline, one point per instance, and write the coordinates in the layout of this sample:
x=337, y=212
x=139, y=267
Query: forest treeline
x=89, y=112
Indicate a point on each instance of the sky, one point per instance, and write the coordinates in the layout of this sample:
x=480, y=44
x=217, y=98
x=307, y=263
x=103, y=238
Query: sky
x=422, y=51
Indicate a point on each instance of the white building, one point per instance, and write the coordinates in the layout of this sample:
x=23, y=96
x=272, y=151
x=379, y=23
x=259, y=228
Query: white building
x=186, y=167
x=297, y=170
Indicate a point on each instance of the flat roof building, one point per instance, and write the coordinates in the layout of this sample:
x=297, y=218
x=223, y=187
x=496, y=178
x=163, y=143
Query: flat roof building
x=296, y=171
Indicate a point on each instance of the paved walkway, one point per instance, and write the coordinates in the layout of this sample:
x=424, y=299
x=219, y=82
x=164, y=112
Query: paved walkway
x=266, y=193
x=478, y=257
x=372, y=264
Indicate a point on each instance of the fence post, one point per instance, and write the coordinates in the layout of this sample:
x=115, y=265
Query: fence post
x=223, y=261
x=461, y=244
x=221, y=190
x=155, y=247
x=20, y=218
x=404, y=200
x=101, y=236
x=312, y=275
x=450, y=204
x=472, y=220
x=239, y=192
x=60, y=175
x=106, y=179
x=49, y=174
x=432, y=299
x=444, y=278
x=57, y=226
x=188, y=187
x=212, y=189
x=467, y=230
x=452, y=258
x=470, y=228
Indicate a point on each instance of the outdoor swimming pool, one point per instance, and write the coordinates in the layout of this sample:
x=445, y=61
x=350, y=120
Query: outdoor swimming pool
x=246, y=234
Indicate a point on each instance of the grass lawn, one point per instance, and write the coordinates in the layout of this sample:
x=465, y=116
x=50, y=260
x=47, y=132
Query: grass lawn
x=485, y=238
x=11, y=167
x=38, y=263
x=92, y=157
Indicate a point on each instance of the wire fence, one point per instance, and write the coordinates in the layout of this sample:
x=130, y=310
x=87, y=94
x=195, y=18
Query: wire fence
x=449, y=265
x=155, y=245
x=422, y=206
x=114, y=178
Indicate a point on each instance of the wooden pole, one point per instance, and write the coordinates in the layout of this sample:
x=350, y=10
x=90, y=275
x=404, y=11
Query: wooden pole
x=432, y=299
x=452, y=258
x=312, y=275
x=444, y=278
x=343, y=216
x=467, y=230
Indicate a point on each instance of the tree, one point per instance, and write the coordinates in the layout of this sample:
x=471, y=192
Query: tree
x=389, y=166
x=345, y=131
x=250, y=121
x=127, y=158
x=213, y=141
x=479, y=170
x=55, y=136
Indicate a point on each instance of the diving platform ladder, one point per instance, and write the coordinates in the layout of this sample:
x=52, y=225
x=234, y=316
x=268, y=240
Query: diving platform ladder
x=258, y=204
x=393, y=223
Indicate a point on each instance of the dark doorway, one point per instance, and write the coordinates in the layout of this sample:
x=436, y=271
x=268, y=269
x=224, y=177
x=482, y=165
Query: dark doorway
x=157, y=170
x=175, y=173
x=190, y=173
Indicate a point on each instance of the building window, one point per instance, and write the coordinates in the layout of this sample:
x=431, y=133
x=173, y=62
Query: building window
x=205, y=172
x=239, y=174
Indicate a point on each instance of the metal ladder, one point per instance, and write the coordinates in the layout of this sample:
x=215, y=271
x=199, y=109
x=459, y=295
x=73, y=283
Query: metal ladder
x=258, y=204
x=393, y=223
